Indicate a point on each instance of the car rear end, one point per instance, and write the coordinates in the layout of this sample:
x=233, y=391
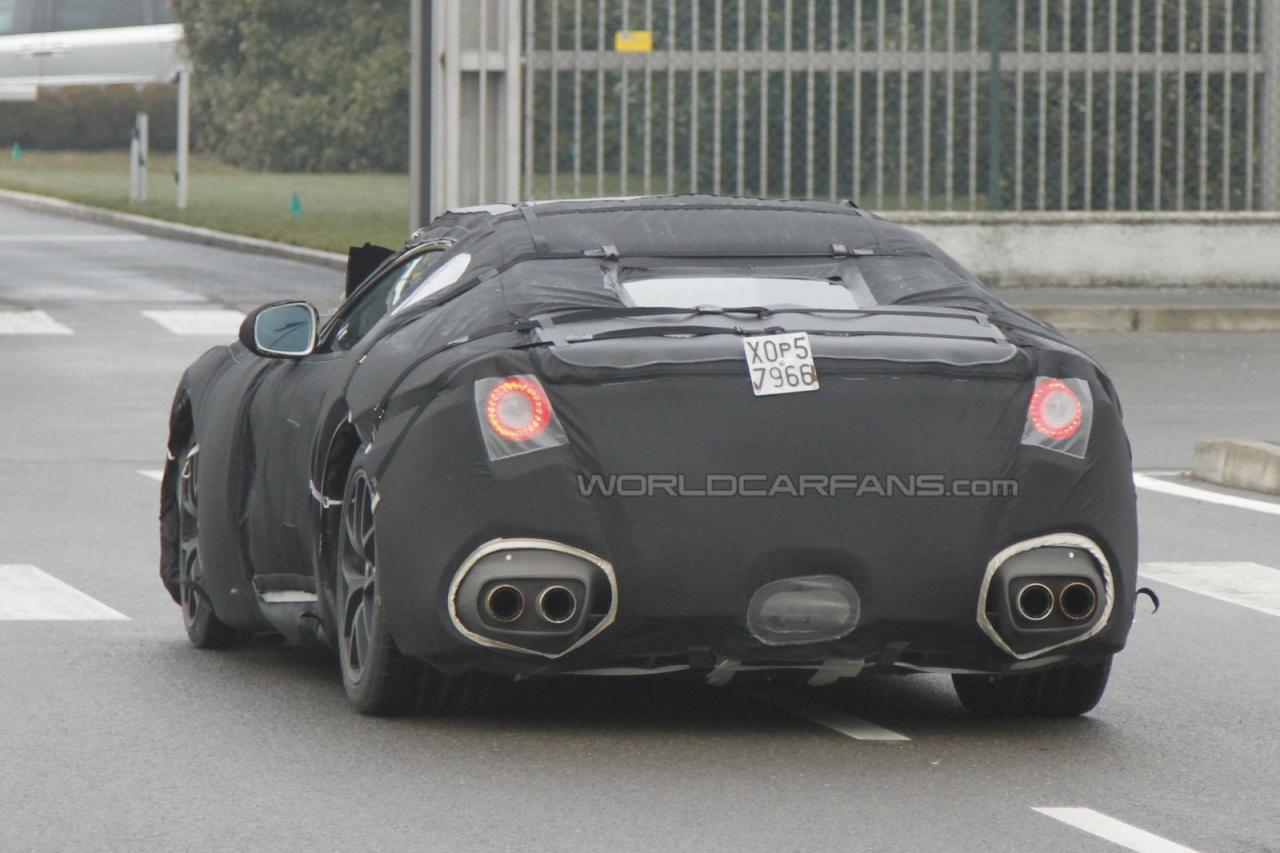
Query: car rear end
x=620, y=496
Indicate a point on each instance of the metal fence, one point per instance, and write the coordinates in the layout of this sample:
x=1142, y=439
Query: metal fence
x=912, y=104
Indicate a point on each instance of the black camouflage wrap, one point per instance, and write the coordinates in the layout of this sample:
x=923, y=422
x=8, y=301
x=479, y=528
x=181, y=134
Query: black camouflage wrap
x=934, y=378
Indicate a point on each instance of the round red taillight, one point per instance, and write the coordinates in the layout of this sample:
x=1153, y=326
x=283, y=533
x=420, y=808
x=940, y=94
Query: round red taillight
x=1055, y=410
x=517, y=409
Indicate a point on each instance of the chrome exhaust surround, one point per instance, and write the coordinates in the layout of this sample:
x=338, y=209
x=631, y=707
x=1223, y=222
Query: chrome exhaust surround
x=552, y=611
x=1052, y=540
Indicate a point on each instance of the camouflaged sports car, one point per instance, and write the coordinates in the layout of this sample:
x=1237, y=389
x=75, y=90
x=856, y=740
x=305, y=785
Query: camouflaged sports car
x=655, y=435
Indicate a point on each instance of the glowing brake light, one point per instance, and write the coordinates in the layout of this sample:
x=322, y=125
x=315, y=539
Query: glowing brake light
x=517, y=409
x=516, y=416
x=1055, y=410
x=1059, y=416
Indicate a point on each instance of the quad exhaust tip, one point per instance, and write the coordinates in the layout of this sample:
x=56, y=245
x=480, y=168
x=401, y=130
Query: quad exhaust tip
x=1077, y=601
x=505, y=603
x=1035, y=602
x=557, y=604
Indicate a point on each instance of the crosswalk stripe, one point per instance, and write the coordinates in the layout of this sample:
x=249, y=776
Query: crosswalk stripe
x=1246, y=584
x=1116, y=831
x=222, y=323
x=845, y=724
x=30, y=323
x=28, y=594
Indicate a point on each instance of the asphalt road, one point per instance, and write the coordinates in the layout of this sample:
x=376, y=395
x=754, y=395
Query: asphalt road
x=116, y=735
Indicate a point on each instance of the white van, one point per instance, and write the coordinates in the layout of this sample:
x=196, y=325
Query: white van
x=87, y=42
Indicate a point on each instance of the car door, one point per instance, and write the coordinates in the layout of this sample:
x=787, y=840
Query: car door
x=299, y=407
x=20, y=44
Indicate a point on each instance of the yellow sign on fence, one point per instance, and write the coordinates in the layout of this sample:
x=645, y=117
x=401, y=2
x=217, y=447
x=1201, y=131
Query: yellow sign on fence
x=633, y=41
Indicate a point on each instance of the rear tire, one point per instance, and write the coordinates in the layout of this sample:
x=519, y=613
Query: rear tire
x=204, y=629
x=378, y=679
x=1069, y=690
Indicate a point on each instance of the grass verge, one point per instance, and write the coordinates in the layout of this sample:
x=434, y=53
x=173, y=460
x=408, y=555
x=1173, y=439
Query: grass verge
x=337, y=210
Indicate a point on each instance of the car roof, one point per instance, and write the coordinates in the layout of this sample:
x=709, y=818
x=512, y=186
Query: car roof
x=585, y=224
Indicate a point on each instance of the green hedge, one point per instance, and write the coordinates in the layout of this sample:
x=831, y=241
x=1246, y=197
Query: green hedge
x=279, y=85
x=301, y=85
x=90, y=118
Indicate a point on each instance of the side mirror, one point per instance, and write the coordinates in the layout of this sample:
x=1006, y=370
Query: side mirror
x=281, y=330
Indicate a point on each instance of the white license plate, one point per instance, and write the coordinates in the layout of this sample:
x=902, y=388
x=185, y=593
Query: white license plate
x=780, y=364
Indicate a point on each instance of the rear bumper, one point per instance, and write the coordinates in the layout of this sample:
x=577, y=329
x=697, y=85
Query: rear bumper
x=687, y=566
x=658, y=620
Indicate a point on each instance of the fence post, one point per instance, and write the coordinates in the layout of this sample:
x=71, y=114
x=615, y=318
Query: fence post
x=479, y=91
x=420, y=109
x=139, y=154
x=1271, y=107
x=995, y=98
x=513, y=41
x=182, y=175
x=142, y=127
x=134, y=154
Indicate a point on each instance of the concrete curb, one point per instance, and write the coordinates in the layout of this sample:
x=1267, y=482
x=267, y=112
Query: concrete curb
x=173, y=230
x=1159, y=318
x=1240, y=463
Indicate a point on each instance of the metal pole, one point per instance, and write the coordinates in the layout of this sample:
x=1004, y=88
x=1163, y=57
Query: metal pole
x=135, y=148
x=527, y=106
x=512, y=86
x=143, y=129
x=421, y=64
x=482, y=106
x=449, y=153
x=1271, y=107
x=995, y=33
x=1250, y=119
x=184, y=136
x=973, y=104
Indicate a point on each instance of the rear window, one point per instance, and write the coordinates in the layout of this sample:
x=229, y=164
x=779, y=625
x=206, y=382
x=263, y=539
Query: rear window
x=738, y=292
x=893, y=279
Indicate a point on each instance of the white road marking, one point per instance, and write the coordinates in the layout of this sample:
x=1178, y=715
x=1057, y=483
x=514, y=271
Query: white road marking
x=30, y=323
x=1247, y=584
x=222, y=323
x=845, y=724
x=1209, y=407
x=72, y=238
x=28, y=594
x=1115, y=831
x=1144, y=481
x=288, y=596
x=152, y=474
